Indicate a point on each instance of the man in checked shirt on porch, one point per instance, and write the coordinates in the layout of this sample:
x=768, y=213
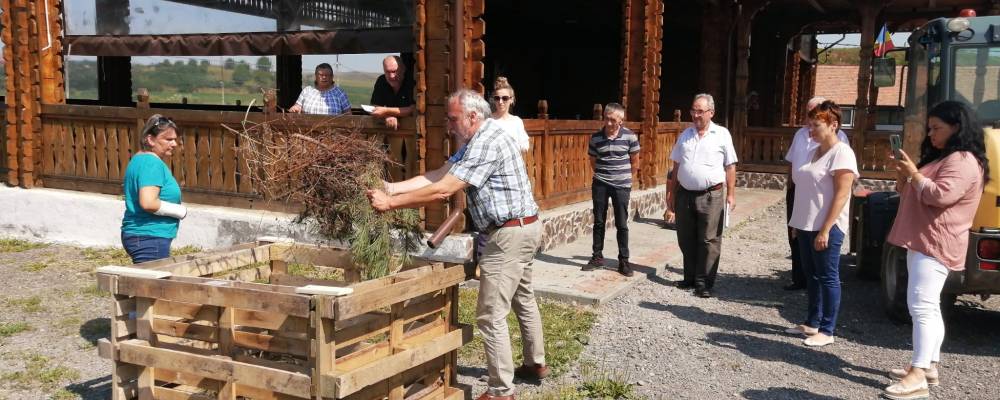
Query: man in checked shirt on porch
x=496, y=182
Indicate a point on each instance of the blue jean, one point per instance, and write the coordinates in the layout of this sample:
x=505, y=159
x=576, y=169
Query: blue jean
x=145, y=248
x=822, y=270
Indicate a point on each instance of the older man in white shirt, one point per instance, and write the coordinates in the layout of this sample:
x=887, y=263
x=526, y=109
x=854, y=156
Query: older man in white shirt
x=798, y=152
x=704, y=162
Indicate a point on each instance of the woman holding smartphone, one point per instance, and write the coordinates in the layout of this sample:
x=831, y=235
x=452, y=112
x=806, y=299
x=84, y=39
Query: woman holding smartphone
x=938, y=198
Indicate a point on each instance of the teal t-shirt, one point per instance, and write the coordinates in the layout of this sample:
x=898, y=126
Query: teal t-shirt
x=143, y=170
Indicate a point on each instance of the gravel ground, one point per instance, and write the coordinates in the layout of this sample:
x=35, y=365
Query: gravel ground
x=669, y=343
x=57, y=356
x=677, y=346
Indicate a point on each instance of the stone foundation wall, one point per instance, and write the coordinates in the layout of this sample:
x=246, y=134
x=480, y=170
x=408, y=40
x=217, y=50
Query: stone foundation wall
x=761, y=180
x=569, y=223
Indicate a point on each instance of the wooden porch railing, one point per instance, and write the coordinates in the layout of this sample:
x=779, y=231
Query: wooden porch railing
x=764, y=151
x=558, y=164
x=88, y=148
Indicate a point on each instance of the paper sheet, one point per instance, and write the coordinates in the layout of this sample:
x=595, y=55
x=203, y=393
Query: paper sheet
x=725, y=216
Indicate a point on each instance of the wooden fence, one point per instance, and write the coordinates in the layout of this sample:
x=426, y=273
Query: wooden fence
x=764, y=149
x=559, y=166
x=88, y=148
x=241, y=323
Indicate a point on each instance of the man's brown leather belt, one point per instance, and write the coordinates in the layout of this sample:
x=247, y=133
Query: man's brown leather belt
x=717, y=186
x=519, y=221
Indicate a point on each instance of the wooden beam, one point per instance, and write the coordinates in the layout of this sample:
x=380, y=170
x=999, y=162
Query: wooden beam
x=215, y=367
x=868, y=11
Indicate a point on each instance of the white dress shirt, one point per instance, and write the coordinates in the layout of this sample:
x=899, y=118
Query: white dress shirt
x=703, y=160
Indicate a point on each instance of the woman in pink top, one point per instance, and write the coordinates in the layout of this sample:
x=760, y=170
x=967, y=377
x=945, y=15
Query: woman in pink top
x=938, y=199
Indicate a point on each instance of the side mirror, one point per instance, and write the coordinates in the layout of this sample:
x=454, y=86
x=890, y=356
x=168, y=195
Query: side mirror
x=884, y=72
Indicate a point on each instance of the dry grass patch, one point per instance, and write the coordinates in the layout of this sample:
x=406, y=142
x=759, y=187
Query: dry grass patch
x=31, y=304
x=39, y=372
x=8, y=245
x=107, y=256
x=13, y=328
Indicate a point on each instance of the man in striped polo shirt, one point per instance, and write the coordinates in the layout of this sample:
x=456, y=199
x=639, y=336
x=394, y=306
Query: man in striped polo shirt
x=612, y=153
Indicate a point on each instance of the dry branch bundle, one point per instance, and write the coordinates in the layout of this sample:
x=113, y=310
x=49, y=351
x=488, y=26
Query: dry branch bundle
x=328, y=169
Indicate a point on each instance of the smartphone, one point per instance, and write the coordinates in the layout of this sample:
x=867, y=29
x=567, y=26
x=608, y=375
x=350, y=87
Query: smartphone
x=896, y=142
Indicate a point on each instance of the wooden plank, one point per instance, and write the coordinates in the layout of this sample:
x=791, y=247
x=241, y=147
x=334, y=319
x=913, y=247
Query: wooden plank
x=79, y=156
x=223, y=295
x=165, y=393
x=357, y=304
x=228, y=161
x=91, y=150
x=323, y=356
x=353, y=381
x=271, y=343
x=219, y=262
x=217, y=367
x=144, y=331
x=114, y=163
x=284, y=325
x=205, y=333
x=202, y=155
x=378, y=390
x=180, y=378
x=101, y=150
x=215, y=158
x=300, y=253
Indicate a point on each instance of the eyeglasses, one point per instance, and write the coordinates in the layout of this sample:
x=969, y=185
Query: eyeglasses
x=700, y=112
x=502, y=98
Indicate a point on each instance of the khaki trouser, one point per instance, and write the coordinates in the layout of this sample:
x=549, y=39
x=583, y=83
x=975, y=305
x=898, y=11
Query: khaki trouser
x=505, y=283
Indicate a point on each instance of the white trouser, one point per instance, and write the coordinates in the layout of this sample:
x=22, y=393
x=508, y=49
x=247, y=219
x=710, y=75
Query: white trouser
x=923, y=298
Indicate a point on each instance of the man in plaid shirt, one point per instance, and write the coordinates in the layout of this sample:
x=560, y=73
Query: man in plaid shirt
x=495, y=179
x=325, y=98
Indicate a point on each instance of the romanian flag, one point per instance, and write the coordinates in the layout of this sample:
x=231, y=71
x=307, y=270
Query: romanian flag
x=883, y=42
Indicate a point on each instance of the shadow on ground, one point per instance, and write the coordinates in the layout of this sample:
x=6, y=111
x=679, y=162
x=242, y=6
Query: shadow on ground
x=94, y=389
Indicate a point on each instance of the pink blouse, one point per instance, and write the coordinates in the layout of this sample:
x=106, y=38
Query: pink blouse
x=935, y=215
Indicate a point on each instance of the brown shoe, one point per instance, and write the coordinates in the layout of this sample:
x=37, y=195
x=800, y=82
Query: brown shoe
x=625, y=268
x=531, y=372
x=487, y=396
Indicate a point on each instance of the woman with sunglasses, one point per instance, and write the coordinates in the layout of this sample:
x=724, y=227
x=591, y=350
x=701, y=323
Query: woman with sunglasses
x=153, y=207
x=503, y=100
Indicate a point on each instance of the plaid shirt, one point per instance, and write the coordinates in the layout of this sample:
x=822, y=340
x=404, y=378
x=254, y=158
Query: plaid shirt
x=499, y=189
x=333, y=101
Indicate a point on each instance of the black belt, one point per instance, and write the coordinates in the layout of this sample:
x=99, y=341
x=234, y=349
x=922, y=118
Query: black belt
x=717, y=186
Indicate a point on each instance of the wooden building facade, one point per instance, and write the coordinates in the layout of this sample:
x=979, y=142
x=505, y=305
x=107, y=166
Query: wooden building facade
x=564, y=59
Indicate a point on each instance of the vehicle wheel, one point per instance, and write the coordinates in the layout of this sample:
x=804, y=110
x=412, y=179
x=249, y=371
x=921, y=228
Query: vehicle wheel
x=893, y=284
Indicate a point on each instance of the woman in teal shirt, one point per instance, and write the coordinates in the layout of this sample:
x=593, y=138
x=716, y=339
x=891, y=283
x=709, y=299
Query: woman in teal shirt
x=153, y=207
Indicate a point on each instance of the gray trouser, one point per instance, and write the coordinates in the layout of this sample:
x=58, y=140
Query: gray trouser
x=699, y=234
x=505, y=283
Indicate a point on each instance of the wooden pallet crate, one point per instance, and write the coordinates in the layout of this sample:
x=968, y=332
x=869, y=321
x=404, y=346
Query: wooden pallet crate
x=235, y=323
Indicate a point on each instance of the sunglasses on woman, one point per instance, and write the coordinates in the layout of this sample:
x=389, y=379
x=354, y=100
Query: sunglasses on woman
x=502, y=98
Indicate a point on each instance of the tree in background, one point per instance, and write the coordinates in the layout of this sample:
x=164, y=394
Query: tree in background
x=230, y=63
x=264, y=64
x=241, y=74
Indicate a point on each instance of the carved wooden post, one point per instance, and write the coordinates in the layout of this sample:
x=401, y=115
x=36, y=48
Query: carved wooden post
x=869, y=10
x=677, y=115
x=548, y=171
x=142, y=112
x=598, y=112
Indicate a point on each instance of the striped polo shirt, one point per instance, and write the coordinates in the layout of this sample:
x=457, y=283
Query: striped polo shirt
x=614, y=165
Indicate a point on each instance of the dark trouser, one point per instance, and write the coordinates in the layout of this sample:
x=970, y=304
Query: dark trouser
x=145, y=248
x=798, y=277
x=822, y=270
x=619, y=201
x=699, y=234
